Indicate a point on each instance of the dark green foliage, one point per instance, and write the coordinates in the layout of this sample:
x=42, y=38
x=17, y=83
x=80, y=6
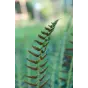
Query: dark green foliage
x=29, y=9
x=17, y=7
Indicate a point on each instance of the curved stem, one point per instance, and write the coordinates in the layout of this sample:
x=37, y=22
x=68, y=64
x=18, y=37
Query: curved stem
x=69, y=74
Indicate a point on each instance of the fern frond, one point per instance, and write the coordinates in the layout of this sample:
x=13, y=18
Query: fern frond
x=67, y=64
x=41, y=67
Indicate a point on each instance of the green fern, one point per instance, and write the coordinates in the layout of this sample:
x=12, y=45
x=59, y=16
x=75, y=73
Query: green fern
x=65, y=65
x=40, y=63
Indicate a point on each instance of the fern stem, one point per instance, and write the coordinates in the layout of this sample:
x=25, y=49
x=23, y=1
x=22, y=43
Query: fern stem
x=53, y=73
x=62, y=55
x=52, y=79
x=69, y=74
x=38, y=82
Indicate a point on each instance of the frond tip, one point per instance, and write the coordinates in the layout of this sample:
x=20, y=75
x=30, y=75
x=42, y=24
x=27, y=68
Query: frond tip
x=55, y=22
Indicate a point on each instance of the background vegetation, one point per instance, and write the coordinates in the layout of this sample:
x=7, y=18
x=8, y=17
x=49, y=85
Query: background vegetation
x=26, y=32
